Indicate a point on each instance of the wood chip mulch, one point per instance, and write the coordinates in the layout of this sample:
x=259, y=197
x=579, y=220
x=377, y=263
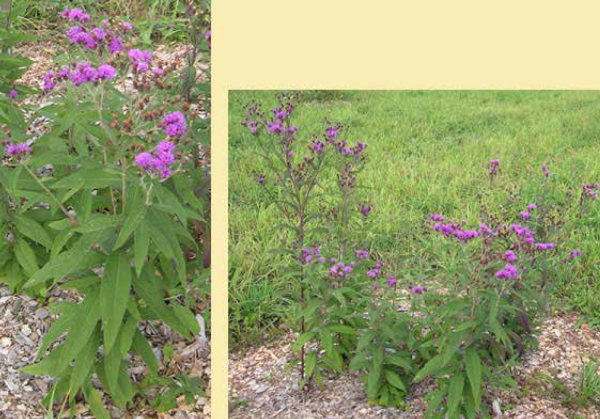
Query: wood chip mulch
x=261, y=387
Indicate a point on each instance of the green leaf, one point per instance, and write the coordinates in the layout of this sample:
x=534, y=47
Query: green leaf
x=455, y=390
x=92, y=178
x=84, y=363
x=69, y=261
x=432, y=366
x=114, y=296
x=393, y=378
x=340, y=328
x=302, y=339
x=473, y=366
x=98, y=222
x=311, y=363
x=148, y=287
x=131, y=222
x=26, y=257
x=144, y=350
x=186, y=317
x=141, y=244
x=87, y=316
x=32, y=230
x=95, y=402
x=374, y=380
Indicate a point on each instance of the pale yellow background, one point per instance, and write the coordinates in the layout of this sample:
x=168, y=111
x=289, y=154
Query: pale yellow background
x=333, y=44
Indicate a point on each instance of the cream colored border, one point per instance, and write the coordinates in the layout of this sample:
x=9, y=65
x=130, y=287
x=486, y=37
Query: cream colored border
x=392, y=44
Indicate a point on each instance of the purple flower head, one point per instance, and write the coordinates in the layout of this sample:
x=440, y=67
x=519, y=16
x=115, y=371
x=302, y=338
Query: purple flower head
x=509, y=272
x=160, y=162
x=418, y=290
x=391, y=281
x=362, y=254
x=545, y=246
x=510, y=256
x=65, y=12
x=317, y=146
x=158, y=71
x=465, y=235
x=174, y=124
x=115, y=45
x=332, y=132
x=18, y=150
x=495, y=162
x=531, y=207
x=365, y=209
x=143, y=160
x=525, y=215
x=106, y=72
x=49, y=83
x=589, y=191
x=13, y=94
x=127, y=26
x=275, y=127
x=574, y=254
x=437, y=217
x=140, y=59
x=485, y=230
x=208, y=36
x=98, y=33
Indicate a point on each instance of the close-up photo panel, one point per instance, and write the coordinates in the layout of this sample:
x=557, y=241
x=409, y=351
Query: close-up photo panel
x=105, y=178
x=414, y=254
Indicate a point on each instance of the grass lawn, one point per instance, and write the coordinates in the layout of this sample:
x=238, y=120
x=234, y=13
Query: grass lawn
x=427, y=152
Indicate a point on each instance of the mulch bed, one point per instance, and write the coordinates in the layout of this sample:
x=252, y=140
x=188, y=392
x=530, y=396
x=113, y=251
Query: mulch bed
x=261, y=387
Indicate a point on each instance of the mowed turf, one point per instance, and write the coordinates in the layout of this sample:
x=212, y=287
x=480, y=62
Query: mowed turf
x=427, y=152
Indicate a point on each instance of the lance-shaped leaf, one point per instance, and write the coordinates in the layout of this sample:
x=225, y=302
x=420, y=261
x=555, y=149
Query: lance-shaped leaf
x=114, y=296
x=148, y=287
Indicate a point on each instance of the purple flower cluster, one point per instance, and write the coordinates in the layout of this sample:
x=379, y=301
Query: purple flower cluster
x=510, y=256
x=545, y=246
x=547, y=173
x=333, y=131
x=362, y=254
x=509, y=272
x=454, y=229
x=141, y=60
x=574, y=254
x=174, y=125
x=493, y=167
x=13, y=94
x=342, y=147
x=375, y=272
x=392, y=282
x=208, y=36
x=83, y=73
x=18, y=150
x=314, y=255
x=341, y=270
x=158, y=162
x=317, y=146
x=525, y=215
x=75, y=15
x=417, y=289
x=365, y=209
x=523, y=232
x=252, y=126
x=589, y=191
x=437, y=218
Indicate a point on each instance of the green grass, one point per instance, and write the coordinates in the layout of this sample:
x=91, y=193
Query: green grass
x=427, y=153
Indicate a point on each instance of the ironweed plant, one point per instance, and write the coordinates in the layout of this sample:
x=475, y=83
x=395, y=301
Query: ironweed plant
x=107, y=203
x=385, y=318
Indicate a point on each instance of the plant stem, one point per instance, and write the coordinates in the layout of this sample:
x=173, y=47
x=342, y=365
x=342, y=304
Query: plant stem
x=49, y=192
